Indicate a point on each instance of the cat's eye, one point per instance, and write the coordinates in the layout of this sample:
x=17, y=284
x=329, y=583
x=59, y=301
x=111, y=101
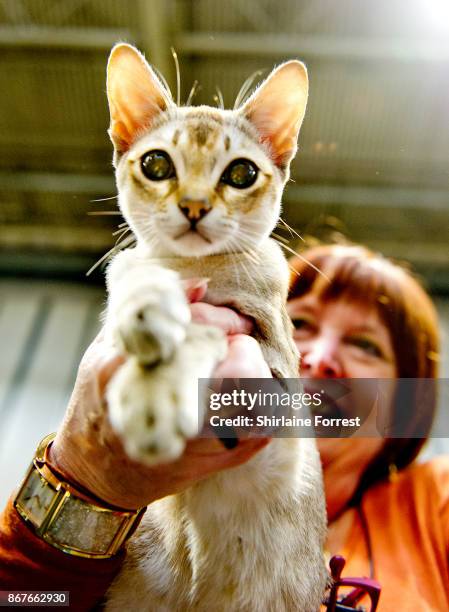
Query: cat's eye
x=241, y=174
x=157, y=165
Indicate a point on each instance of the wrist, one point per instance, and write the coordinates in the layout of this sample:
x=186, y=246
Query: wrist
x=59, y=462
x=105, y=473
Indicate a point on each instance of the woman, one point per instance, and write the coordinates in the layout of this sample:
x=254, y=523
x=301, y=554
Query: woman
x=363, y=317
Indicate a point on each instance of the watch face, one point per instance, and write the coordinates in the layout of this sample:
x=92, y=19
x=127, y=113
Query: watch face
x=36, y=498
x=81, y=528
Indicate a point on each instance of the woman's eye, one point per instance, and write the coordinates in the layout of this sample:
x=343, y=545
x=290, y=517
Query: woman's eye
x=241, y=174
x=301, y=324
x=157, y=165
x=368, y=346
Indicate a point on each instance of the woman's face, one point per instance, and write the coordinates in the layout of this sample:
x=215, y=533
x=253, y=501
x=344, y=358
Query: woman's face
x=343, y=339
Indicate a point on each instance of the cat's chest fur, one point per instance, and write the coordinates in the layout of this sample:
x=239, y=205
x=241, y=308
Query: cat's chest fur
x=244, y=540
x=255, y=284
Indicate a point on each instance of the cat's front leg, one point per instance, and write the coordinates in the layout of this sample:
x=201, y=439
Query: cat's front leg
x=153, y=397
x=147, y=311
x=154, y=410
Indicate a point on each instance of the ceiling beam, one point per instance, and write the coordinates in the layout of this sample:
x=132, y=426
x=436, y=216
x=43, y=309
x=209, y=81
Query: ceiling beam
x=307, y=45
x=53, y=182
x=47, y=37
x=360, y=196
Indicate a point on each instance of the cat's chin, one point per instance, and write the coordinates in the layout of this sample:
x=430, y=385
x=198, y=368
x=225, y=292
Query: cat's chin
x=193, y=244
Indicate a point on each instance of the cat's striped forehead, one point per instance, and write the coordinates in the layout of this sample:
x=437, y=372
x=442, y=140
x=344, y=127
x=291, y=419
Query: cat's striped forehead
x=205, y=128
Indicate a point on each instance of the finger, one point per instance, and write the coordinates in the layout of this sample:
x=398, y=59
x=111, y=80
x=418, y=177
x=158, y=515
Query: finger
x=100, y=360
x=107, y=370
x=99, y=337
x=195, y=288
x=230, y=321
x=214, y=456
x=242, y=453
x=244, y=360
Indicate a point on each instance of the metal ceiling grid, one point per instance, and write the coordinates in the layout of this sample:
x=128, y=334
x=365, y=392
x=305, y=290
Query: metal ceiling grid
x=375, y=138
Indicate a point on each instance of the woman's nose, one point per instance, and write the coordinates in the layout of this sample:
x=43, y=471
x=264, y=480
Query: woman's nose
x=321, y=360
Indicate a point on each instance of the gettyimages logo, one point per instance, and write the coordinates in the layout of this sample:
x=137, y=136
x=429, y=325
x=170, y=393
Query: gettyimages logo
x=330, y=408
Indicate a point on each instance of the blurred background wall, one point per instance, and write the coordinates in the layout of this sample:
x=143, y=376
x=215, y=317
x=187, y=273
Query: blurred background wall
x=373, y=159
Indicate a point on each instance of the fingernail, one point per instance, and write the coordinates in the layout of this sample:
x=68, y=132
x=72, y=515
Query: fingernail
x=196, y=283
x=229, y=443
x=196, y=288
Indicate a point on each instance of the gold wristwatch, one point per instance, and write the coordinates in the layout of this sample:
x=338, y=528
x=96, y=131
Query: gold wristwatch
x=65, y=517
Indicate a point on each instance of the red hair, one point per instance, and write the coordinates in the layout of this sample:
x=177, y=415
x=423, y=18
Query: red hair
x=359, y=275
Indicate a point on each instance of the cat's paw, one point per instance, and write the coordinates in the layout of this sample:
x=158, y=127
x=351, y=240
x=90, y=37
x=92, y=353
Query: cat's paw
x=153, y=324
x=155, y=410
x=149, y=411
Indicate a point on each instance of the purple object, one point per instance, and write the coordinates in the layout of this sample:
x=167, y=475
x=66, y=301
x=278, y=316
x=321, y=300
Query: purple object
x=362, y=586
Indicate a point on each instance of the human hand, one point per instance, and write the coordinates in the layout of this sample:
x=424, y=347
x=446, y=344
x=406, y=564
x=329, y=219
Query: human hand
x=89, y=453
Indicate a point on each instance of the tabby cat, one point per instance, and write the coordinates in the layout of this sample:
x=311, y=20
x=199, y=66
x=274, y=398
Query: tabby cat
x=200, y=187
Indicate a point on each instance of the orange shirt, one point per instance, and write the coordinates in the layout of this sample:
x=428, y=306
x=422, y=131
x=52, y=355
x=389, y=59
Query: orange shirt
x=408, y=525
x=29, y=563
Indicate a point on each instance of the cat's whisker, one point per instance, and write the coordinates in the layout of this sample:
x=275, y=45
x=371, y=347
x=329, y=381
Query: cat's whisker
x=250, y=276
x=246, y=232
x=245, y=88
x=105, y=199
x=280, y=238
x=256, y=261
x=257, y=278
x=283, y=242
x=236, y=252
x=234, y=264
x=165, y=84
x=193, y=91
x=251, y=255
x=304, y=259
x=293, y=271
x=219, y=97
x=255, y=254
x=128, y=241
x=250, y=233
x=247, y=247
x=247, y=253
x=103, y=213
x=149, y=235
x=107, y=255
x=178, y=76
x=121, y=232
x=292, y=231
x=123, y=241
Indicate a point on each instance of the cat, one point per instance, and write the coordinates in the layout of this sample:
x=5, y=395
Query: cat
x=200, y=187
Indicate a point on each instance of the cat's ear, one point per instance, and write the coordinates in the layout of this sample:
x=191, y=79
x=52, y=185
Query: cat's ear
x=135, y=95
x=277, y=109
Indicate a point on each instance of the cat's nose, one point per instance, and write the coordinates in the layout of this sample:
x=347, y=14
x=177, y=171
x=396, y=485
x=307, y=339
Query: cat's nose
x=194, y=210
